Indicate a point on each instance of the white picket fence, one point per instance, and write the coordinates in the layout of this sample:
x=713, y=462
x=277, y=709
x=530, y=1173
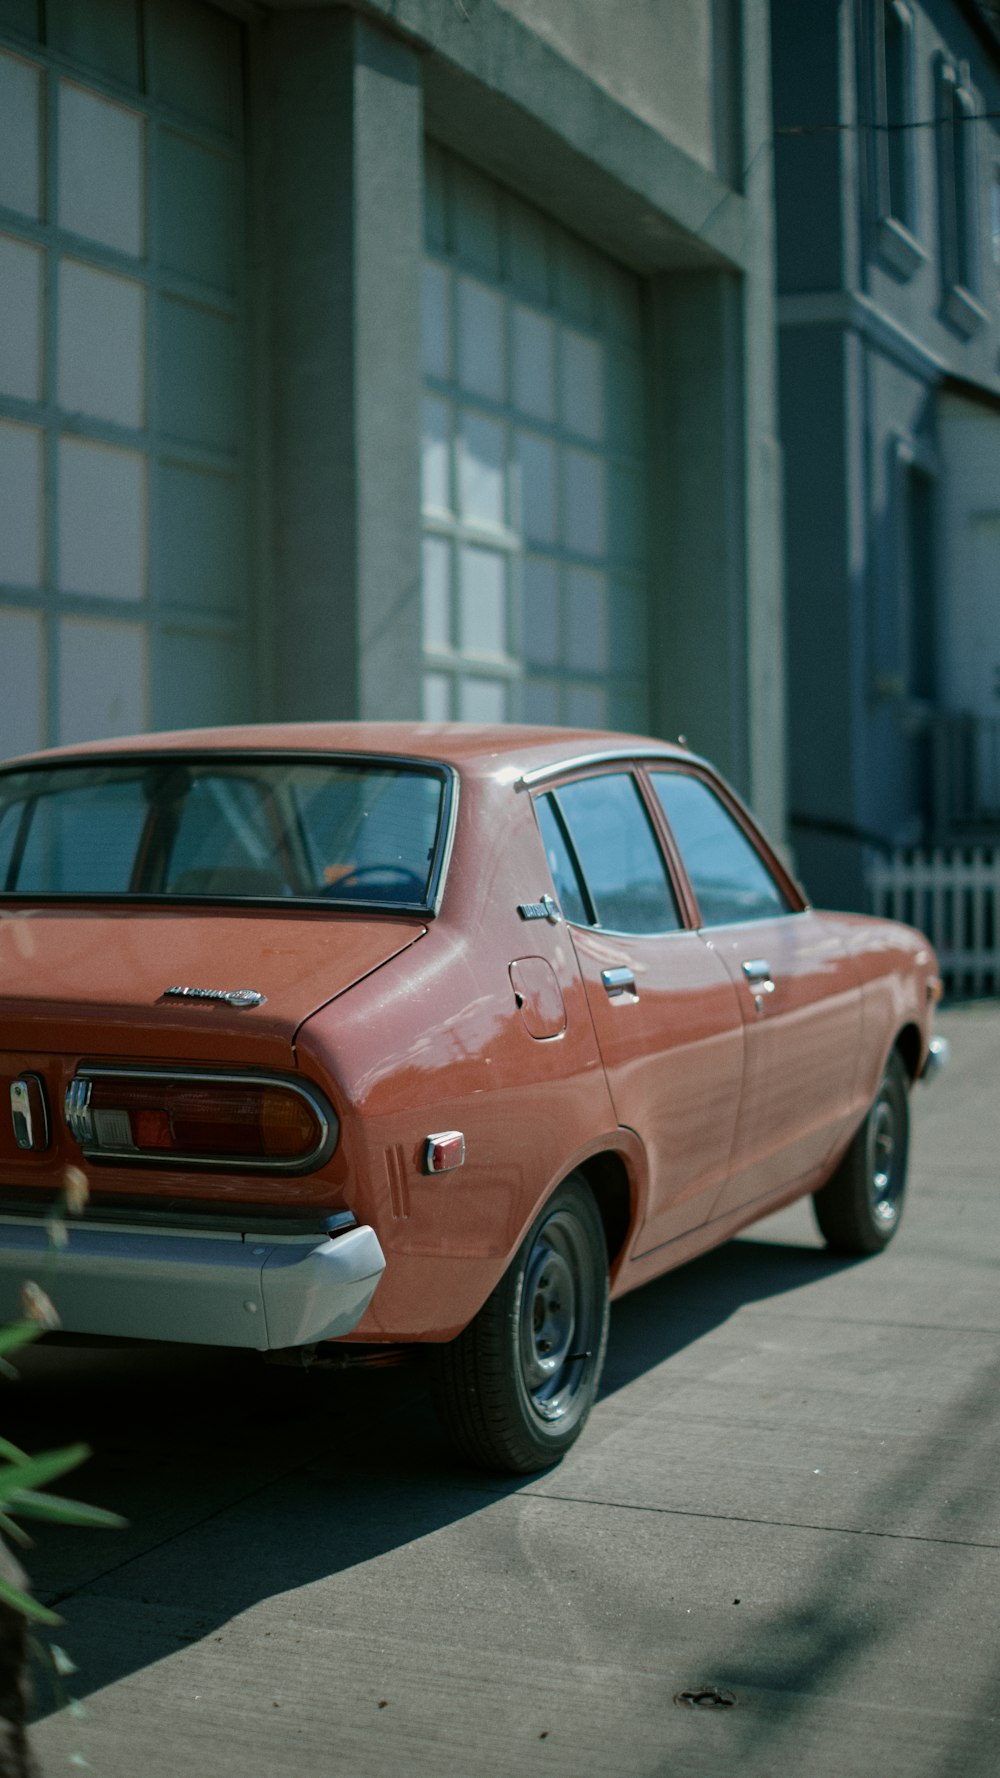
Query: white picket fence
x=953, y=894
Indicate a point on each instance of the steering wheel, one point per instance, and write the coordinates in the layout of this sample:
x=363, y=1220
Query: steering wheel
x=411, y=887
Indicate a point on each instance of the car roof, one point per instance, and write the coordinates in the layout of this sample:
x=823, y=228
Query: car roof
x=477, y=750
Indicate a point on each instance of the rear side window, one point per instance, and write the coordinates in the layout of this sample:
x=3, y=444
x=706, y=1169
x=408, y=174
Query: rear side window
x=564, y=877
x=727, y=874
x=618, y=855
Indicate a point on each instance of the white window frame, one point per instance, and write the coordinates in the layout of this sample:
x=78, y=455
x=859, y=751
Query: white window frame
x=895, y=113
x=958, y=197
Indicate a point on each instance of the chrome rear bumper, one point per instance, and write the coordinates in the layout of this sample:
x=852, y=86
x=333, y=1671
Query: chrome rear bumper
x=209, y=1287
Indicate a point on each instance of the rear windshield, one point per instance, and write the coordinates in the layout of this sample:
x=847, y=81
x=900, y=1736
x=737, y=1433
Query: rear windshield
x=331, y=830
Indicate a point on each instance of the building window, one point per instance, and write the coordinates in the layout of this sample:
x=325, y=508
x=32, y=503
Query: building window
x=534, y=472
x=123, y=454
x=895, y=117
x=958, y=198
x=995, y=214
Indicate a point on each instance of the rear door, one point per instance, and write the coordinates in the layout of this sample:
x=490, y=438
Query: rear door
x=796, y=986
x=664, y=1006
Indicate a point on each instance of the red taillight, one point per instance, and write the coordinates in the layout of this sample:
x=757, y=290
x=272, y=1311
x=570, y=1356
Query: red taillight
x=198, y=1118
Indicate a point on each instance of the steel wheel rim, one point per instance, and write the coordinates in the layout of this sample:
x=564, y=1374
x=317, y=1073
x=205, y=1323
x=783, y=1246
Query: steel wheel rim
x=885, y=1174
x=556, y=1319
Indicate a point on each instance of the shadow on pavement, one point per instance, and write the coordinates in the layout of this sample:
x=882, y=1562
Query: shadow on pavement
x=241, y=1482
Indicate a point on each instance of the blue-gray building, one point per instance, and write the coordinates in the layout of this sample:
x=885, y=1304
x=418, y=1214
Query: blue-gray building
x=382, y=357
x=887, y=119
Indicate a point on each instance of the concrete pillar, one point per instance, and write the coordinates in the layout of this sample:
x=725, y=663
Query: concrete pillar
x=342, y=213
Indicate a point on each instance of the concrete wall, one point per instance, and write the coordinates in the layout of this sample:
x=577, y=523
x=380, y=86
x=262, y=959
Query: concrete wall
x=674, y=66
x=341, y=209
x=654, y=144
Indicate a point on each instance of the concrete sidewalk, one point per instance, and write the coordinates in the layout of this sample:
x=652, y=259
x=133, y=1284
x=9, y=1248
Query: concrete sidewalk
x=787, y=1495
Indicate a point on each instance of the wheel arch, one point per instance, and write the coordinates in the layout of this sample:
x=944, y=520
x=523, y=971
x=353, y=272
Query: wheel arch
x=608, y=1178
x=910, y=1047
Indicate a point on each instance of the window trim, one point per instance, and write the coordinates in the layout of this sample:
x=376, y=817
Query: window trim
x=958, y=198
x=897, y=222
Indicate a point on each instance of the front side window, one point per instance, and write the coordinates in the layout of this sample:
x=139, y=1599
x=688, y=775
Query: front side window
x=341, y=831
x=727, y=874
x=616, y=849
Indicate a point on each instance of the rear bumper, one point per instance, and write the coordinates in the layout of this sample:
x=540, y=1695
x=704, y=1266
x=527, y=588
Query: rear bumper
x=208, y=1287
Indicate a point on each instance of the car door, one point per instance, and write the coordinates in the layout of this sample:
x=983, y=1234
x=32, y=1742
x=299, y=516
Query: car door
x=665, y=1008
x=797, y=989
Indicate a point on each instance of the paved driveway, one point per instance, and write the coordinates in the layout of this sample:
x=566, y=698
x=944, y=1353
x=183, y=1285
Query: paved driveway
x=788, y=1492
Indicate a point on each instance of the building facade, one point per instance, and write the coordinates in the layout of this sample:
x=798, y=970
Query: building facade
x=392, y=358
x=887, y=121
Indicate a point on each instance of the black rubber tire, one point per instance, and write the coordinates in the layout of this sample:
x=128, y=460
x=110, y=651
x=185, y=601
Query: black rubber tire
x=861, y=1206
x=515, y=1388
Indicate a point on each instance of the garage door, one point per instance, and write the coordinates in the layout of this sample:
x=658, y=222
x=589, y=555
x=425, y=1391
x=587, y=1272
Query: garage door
x=122, y=578
x=534, y=480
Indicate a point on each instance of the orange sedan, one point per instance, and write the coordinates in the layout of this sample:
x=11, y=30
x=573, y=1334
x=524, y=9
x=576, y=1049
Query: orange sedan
x=393, y=1033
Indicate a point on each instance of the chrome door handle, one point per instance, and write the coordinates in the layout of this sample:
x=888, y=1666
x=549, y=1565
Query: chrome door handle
x=618, y=981
x=758, y=974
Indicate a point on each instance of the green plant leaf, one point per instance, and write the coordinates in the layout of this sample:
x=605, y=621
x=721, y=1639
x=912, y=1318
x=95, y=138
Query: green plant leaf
x=19, y=1333
x=24, y=1603
x=66, y=1512
x=13, y=1532
x=13, y=1453
x=39, y=1470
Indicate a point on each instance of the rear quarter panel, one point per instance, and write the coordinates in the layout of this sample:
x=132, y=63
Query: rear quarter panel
x=434, y=1041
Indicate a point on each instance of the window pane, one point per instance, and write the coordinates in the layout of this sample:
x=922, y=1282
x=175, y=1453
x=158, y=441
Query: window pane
x=100, y=187
x=20, y=505
x=22, y=706
x=618, y=854
x=201, y=679
x=195, y=210
x=540, y=701
x=196, y=381
x=564, y=877
x=480, y=339
x=435, y=455
x=102, y=520
x=435, y=307
x=21, y=310
x=200, y=539
x=435, y=697
x=534, y=363
x=102, y=679
x=84, y=842
x=482, y=601
x=482, y=700
x=729, y=878
x=586, y=620
x=20, y=141
x=581, y=382
x=536, y=467
x=101, y=346
x=481, y=470
x=541, y=613
x=436, y=602
x=585, y=706
x=583, y=516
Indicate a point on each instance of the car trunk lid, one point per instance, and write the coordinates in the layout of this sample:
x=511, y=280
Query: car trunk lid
x=92, y=981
